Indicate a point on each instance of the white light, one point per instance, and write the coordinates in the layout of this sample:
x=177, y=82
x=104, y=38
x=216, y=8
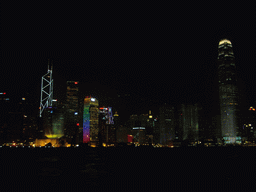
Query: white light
x=138, y=127
x=93, y=99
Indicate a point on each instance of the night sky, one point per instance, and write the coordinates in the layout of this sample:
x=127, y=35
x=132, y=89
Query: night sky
x=156, y=53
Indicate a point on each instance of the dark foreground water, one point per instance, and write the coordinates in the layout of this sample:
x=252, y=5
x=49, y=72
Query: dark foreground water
x=117, y=169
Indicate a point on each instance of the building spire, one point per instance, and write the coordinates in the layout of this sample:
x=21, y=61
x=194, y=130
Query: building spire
x=48, y=63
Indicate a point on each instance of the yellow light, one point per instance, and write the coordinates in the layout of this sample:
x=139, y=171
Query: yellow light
x=150, y=116
x=250, y=124
x=224, y=41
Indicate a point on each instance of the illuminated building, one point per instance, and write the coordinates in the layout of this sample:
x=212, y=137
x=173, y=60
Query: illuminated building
x=46, y=90
x=90, y=120
x=147, y=122
x=53, y=122
x=248, y=128
x=228, y=92
x=107, y=131
x=106, y=114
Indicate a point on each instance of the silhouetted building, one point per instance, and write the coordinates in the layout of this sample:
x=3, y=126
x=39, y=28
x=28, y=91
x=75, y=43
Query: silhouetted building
x=73, y=116
x=188, y=122
x=17, y=117
x=167, y=124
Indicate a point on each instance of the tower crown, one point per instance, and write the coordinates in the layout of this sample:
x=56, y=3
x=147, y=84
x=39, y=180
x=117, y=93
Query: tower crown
x=224, y=41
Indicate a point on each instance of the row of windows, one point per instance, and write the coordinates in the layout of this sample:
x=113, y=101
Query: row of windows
x=4, y=99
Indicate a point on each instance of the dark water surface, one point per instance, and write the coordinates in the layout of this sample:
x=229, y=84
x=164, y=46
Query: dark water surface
x=99, y=169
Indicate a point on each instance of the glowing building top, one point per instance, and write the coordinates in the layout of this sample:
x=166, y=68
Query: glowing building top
x=228, y=91
x=226, y=59
x=224, y=41
x=90, y=119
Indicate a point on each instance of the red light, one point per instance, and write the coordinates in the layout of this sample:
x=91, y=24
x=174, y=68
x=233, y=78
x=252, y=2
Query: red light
x=181, y=114
x=4, y=93
x=75, y=82
x=77, y=124
x=101, y=108
x=250, y=109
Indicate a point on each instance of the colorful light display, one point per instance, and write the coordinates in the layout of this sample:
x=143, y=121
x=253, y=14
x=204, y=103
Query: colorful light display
x=86, y=123
x=90, y=120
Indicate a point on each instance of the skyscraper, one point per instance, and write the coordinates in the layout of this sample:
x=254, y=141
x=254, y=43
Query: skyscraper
x=73, y=115
x=188, y=122
x=167, y=124
x=228, y=92
x=90, y=121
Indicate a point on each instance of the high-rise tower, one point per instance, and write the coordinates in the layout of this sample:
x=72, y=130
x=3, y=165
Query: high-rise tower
x=73, y=115
x=46, y=90
x=91, y=121
x=228, y=92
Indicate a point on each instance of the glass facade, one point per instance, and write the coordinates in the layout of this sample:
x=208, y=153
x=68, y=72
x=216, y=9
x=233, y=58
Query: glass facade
x=227, y=90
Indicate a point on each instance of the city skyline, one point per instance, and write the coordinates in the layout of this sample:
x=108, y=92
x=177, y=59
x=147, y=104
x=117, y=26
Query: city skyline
x=148, y=60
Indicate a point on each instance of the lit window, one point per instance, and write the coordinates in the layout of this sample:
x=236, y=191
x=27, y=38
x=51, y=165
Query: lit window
x=250, y=125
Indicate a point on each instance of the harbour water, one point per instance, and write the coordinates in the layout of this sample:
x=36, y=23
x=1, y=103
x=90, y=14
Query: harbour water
x=94, y=168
